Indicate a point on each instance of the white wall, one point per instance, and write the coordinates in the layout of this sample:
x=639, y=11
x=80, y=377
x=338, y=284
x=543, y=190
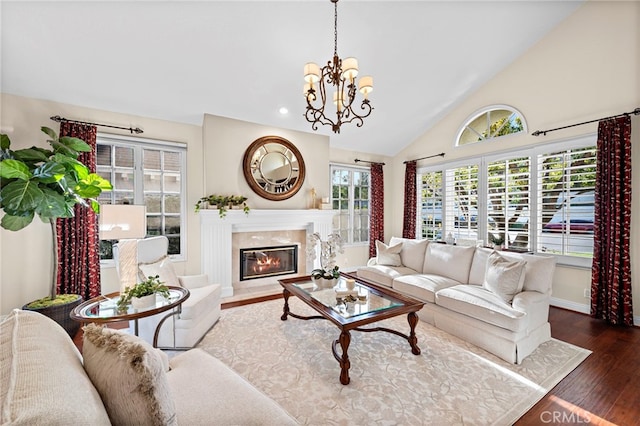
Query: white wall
x=586, y=68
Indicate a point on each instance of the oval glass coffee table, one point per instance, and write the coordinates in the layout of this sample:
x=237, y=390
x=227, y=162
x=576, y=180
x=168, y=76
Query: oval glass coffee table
x=369, y=303
x=103, y=309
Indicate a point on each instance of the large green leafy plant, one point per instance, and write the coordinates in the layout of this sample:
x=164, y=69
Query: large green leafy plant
x=48, y=183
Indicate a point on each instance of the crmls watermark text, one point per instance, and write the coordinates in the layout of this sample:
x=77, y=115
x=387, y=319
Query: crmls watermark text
x=563, y=417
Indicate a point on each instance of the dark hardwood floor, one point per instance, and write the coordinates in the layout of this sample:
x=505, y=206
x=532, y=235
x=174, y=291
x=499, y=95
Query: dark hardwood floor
x=603, y=390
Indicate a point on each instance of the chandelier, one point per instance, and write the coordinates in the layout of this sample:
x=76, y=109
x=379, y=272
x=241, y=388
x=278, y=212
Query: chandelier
x=338, y=75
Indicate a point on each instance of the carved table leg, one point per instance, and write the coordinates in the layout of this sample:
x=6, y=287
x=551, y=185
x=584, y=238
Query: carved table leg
x=285, y=309
x=344, y=339
x=413, y=340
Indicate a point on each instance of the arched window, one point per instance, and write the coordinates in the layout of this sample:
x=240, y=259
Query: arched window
x=491, y=122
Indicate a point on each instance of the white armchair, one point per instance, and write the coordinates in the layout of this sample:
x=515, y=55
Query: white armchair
x=199, y=312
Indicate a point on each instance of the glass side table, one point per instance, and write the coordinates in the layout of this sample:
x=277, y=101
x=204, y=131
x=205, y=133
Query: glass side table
x=103, y=309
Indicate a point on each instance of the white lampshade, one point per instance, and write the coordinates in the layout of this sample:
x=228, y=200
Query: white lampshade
x=365, y=85
x=122, y=221
x=311, y=72
x=349, y=68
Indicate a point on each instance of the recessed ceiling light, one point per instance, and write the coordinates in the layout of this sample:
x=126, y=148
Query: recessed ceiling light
x=283, y=111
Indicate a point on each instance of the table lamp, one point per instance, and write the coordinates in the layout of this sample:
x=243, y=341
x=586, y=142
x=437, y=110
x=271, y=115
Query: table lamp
x=125, y=223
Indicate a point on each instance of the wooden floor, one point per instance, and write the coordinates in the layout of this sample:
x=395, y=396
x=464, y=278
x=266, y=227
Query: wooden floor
x=603, y=390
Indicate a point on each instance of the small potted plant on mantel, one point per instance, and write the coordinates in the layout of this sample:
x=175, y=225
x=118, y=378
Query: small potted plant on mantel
x=47, y=183
x=223, y=203
x=143, y=294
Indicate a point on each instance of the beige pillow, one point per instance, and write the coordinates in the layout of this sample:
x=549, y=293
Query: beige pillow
x=388, y=255
x=130, y=376
x=504, y=277
x=162, y=268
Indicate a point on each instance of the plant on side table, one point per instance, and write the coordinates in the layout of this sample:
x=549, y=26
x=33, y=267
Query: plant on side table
x=329, y=272
x=47, y=183
x=222, y=203
x=143, y=294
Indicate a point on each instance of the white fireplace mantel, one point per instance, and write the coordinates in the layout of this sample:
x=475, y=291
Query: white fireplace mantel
x=217, y=232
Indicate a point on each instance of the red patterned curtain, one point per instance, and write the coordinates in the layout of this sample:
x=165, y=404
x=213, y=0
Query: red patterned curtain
x=376, y=222
x=410, y=212
x=78, y=238
x=611, y=271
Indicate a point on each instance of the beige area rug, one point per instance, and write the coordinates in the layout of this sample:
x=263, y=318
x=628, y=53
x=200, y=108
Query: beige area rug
x=450, y=383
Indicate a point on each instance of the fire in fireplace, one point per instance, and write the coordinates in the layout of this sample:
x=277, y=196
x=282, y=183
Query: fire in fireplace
x=264, y=262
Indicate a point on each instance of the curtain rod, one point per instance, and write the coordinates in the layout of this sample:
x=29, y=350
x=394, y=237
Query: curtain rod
x=424, y=158
x=365, y=161
x=59, y=119
x=544, y=132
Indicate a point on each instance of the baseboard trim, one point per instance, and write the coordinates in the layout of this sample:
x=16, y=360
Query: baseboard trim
x=580, y=307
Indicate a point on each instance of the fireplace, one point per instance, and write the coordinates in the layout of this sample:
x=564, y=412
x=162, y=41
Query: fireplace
x=261, y=262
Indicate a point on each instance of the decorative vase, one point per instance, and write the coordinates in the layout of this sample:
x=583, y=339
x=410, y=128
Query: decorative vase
x=144, y=301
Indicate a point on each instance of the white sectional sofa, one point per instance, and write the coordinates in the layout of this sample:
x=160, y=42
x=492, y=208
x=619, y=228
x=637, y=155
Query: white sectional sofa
x=498, y=301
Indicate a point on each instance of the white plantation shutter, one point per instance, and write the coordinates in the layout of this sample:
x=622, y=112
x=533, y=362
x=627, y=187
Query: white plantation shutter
x=566, y=184
x=462, y=202
x=508, y=201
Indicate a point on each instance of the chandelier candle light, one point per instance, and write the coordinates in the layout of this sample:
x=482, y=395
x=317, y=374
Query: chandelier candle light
x=341, y=75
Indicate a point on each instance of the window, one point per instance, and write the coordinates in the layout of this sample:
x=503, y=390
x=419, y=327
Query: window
x=539, y=199
x=150, y=173
x=350, y=196
x=566, y=189
x=491, y=122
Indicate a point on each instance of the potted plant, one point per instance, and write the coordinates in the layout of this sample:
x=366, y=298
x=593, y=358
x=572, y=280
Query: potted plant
x=47, y=183
x=143, y=294
x=329, y=271
x=223, y=203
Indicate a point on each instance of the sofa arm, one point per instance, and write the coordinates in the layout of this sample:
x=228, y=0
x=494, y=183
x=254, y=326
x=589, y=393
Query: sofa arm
x=194, y=281
x=534, y=304
x=372, y=262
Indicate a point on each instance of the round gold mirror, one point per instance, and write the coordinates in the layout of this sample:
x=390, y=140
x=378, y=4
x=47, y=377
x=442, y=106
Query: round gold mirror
x=273, y=168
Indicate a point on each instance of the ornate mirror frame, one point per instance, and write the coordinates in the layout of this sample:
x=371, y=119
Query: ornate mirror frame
x=273, y=167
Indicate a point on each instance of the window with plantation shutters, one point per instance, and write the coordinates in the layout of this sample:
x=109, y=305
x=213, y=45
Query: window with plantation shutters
x=538, y=199
x=508, y=195
x=461, y=202
x=566, y=185
x=430, y=199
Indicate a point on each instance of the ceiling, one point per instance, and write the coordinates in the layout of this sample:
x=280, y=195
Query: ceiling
x=179, y=60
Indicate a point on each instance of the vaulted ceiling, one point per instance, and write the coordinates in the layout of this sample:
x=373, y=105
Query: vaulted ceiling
x=243, y=59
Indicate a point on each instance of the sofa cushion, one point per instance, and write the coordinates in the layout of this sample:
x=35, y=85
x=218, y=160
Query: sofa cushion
x=383, y=275
x=479, y=303
x=538, y=271
x=200, y=301
x=130, y=377
x=504, y=277
x=422, y=286
x=43, y=381
x=162, y=268
x=412, y=253
x=210, y=393
x=388, y=255
x=479, y=265
x=449, y=261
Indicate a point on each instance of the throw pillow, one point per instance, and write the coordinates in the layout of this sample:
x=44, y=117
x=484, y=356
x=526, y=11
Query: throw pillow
x=388, y=255
x=504, y=277
x=161, y=267
x=129, y=375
